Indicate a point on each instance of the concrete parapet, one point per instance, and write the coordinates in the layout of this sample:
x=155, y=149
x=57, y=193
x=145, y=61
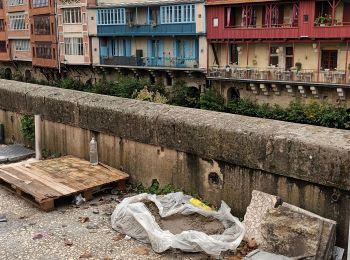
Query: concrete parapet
x=310, y=153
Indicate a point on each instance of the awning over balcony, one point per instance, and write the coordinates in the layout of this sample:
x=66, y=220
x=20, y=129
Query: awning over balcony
x=226, y=2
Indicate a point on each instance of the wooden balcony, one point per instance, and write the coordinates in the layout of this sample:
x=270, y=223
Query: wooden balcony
x=278, y=32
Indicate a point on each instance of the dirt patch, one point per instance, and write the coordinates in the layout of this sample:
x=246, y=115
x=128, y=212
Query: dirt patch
x=178, y=223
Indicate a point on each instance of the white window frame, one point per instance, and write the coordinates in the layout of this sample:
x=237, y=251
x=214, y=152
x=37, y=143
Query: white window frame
x=22, y=45
x=72, y=15
x=73, y=46
x=173, y=14
x=115, y=16
x=17, y=22
x=15, y=2
x=40, y=3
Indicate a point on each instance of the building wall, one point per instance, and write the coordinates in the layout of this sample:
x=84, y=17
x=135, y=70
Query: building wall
x=77, y=30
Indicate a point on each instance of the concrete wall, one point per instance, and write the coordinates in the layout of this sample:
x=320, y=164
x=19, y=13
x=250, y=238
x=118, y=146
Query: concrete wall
x=305, y=165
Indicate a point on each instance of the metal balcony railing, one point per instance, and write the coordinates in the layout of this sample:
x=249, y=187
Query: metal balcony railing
x=175, y=62
x=277, y=74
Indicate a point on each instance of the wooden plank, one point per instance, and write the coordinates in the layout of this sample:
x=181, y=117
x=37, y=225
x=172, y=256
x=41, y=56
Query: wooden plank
x=35, y=188
x=43, y=177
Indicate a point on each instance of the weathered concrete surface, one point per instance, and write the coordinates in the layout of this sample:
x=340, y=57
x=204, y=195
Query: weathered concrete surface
x=295, y=234
x=316, y=154
x=304, y=165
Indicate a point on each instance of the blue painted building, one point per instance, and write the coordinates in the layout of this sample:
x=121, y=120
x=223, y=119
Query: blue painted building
x=163, y=35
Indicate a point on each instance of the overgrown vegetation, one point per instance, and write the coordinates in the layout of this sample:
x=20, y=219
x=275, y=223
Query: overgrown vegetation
x=27, y=127
x=155, y=188
x=315, y=113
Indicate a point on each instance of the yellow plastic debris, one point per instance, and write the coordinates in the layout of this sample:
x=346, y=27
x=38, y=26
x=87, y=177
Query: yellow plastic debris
x=200, y=204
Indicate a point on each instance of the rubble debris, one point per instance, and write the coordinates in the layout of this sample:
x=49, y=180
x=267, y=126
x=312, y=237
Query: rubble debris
x=134, y=219
x=262, y=255
x=84, y=219
x=68, y=242
x=142, y=250
x=260, y=203
x=285, y=229
x=85, y=255
x=3, y=218
x=78, y=200
x=38, y=236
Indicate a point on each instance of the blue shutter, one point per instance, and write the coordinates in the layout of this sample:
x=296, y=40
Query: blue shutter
x=128, y=48
x=174, y=48
x=149, y=60
x=196, y=49
x=161, y=52
x=187, y=49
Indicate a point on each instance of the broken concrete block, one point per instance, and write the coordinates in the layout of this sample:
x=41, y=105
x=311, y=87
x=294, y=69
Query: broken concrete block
x=260, y=203
x=262, y=255
x=294, y=232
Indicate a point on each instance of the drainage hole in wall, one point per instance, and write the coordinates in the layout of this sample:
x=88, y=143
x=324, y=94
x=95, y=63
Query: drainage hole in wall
x=214, y=179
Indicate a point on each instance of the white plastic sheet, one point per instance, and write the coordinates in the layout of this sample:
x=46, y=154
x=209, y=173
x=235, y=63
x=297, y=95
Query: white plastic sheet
x=132, y=217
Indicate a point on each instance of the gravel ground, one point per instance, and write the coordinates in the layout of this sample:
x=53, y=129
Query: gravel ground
x=33, y=234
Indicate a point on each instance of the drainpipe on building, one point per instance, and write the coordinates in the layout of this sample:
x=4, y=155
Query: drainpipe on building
x=58, y=40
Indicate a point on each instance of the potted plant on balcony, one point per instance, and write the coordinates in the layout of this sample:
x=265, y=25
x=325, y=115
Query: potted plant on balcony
x=298, y=66
x=321, y=20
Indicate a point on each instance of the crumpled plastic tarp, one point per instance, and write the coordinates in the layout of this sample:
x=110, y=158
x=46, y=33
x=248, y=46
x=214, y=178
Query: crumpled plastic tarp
x=132, y=217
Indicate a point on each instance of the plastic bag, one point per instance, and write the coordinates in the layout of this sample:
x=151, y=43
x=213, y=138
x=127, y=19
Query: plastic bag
x=132, y=217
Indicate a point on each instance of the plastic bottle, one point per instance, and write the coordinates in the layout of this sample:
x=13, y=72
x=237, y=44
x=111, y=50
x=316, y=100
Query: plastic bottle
x=93, y=152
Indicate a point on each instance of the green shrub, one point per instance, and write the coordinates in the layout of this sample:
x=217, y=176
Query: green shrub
x=182, y=95
x=27, y=127
x=211, y=100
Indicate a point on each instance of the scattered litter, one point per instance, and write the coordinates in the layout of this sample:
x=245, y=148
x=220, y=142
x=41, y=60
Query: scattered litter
x=92, y=226
x=38, y=236
x=127, y=237
x=84, y=219
x=3, y=218
x=68, y=242
x=96, y=211
x=262, y=255
x=118, y=237
x=338, y=253
x=78, y=200
x=134, y=219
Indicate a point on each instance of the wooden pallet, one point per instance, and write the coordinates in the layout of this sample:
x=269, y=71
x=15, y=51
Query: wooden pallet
x=45, y=183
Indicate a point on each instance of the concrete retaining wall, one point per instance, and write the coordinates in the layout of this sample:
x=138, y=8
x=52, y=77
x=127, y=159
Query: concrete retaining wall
x=305, y=165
